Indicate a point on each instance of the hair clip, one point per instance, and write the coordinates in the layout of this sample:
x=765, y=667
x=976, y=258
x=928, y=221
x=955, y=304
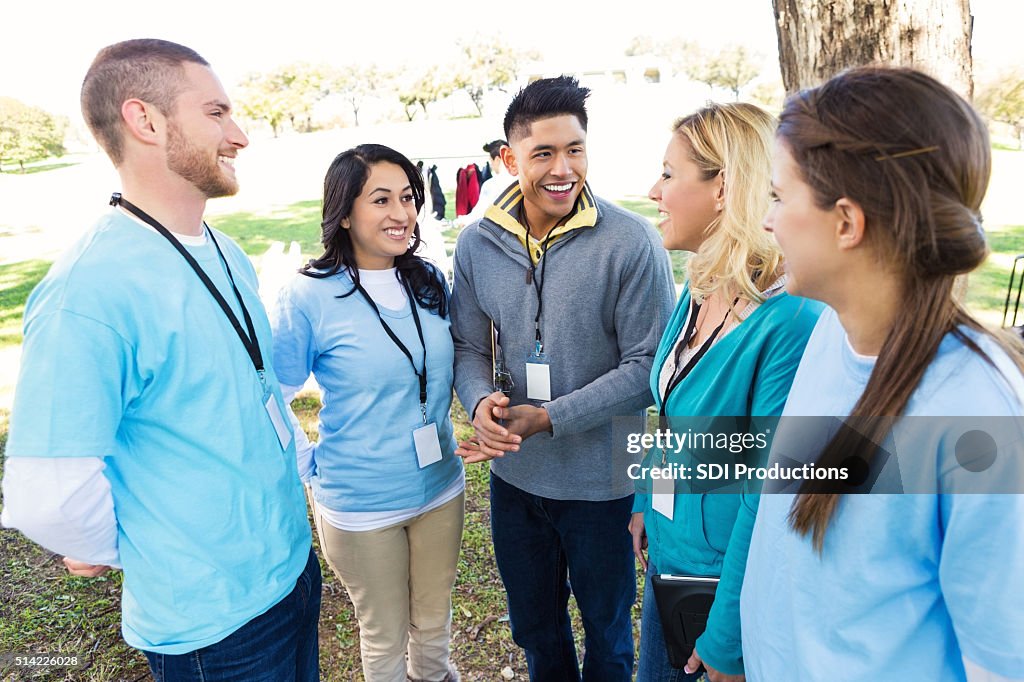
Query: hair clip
x=912, y=152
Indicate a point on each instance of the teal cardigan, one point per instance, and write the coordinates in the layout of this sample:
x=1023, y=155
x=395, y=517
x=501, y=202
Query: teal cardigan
x=748, y=372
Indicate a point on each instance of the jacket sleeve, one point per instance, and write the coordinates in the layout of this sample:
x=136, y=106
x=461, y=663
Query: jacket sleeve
x=642, y=308
x=471, y=332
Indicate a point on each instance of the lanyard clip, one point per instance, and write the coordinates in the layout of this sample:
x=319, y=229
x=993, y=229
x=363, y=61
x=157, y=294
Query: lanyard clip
x=538, y=348
x=115, y=198
x=423, y=411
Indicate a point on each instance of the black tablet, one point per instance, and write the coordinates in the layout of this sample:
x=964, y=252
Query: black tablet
x=684, y=602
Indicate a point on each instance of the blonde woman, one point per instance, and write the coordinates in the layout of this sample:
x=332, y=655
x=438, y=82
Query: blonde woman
x=730, y=350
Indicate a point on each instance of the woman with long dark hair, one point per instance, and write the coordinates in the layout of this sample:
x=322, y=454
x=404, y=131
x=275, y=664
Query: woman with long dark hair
x=878, y=178
x=369, y=320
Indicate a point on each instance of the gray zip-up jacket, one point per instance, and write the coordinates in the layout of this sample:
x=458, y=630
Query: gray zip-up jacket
x=608, y=293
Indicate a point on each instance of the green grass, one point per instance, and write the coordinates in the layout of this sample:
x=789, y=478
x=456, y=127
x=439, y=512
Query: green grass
x=986, y=289
x=16, y=283
x=254, y=232
x=37, y=168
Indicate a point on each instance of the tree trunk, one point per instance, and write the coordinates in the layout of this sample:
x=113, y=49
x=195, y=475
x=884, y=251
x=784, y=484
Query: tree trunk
x=819, y=38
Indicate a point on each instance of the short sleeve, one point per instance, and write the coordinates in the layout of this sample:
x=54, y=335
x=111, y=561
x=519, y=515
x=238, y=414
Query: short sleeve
x=980, y=576
x=294, y=342
x=76, y=381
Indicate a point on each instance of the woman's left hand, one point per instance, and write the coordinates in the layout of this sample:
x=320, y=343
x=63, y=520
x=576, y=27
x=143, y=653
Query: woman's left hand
x=694, y=664
x=470, y=452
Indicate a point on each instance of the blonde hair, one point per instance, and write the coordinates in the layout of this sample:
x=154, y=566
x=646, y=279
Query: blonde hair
x=737, y=255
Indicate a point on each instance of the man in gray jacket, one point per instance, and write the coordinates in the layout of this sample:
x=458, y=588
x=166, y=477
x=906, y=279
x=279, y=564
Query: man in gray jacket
x=578, y=291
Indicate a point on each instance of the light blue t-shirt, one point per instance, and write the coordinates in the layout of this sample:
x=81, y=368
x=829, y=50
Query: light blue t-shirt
x=128, y=357
x=907, y=584
x=366, y=458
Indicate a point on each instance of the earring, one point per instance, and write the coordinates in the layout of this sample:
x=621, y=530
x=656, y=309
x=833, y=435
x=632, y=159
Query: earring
x=718, y=206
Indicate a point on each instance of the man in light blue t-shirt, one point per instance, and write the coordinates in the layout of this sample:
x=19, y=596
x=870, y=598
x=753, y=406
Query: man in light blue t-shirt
x=147, y=432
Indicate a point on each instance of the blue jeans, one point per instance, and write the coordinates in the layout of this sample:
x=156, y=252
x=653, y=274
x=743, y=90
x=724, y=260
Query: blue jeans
x=541, y=546
x=654, y=665
x=279, y=645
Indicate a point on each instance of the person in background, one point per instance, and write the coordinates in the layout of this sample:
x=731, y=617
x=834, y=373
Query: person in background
x=878, y=178
x=497, y=183
x=147, y=429
x=369, y=320
x=730, y=350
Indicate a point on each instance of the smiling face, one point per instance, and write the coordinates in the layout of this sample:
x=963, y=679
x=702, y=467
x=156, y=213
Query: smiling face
x=551, y=164
x=689, y=202
x=383, y=217
x=202, y=138
x=805, y=232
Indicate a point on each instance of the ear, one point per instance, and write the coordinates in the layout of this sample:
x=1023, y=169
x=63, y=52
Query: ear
x=508, y=157
x=849, y=223
x=345, y=224
x=143, y=121
x=718, y=187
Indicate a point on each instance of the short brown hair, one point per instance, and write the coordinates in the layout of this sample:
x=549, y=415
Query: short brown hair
x=147, y=69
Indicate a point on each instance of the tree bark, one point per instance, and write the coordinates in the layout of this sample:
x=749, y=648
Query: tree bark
x=820, y=38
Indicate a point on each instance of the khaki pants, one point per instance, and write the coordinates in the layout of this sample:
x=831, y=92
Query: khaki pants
x=400, y=581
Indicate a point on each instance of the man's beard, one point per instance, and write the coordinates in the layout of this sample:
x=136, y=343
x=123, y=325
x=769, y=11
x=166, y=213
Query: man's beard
x=194, y=165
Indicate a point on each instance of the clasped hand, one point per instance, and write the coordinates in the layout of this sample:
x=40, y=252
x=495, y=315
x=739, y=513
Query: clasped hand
x=501, y=428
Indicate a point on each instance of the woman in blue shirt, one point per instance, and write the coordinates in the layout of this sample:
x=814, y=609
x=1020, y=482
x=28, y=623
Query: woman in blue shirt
x=879, y=176
x=369, y=320
x=730, y=350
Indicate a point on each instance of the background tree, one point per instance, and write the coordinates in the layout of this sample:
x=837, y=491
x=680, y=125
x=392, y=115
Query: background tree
x=733, y=67
x=819, y=39
x=487, y=64
x=288, y=93
x=354, y=83
x=1003, y=100
x=419, y=89
x=28, y=133
x=685, y=57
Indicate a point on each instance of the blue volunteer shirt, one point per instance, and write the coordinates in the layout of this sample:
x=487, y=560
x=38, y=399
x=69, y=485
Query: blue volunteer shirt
x=907, y=584
x=365, y=457
x=128, y=357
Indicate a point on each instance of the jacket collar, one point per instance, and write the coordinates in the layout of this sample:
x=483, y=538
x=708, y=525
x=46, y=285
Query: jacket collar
x=507, y=210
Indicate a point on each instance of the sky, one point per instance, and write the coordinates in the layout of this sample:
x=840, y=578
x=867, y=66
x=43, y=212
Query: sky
x=48, y=45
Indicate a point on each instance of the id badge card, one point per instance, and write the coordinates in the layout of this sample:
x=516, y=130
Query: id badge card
x=663, y=497
x=284, y=432
x=428, y=446
x=538, y=377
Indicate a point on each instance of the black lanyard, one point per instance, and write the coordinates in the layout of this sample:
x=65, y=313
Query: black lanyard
x=691, y=326
x=538, y=283
x=422, y=376
x=250, y=341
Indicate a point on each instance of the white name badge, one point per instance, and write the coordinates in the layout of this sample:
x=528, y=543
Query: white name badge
x=428, y=446
x=284, y=434
x=663, y=496
x=538, y=380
